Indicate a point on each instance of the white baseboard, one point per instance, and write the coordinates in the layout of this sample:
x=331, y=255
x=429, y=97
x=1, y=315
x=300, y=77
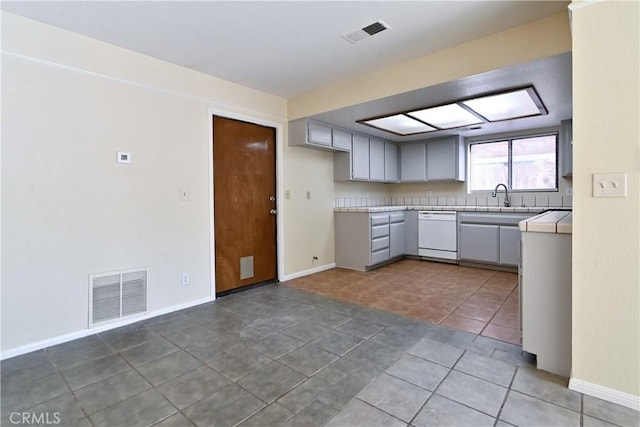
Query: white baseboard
x=605, y=393
x=39, y=345
x=309, y=271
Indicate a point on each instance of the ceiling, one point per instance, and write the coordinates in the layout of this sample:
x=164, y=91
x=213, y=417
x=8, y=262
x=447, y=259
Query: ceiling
x=288, y=48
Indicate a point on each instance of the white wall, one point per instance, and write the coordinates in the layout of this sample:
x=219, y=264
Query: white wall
x=606, y=232
x=308, y=222
x=68, y=104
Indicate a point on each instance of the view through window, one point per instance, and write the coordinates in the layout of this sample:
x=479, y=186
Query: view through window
x=523, y=164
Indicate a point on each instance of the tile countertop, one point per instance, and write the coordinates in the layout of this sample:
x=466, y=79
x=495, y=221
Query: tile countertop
x=549, y=222
x=532, y=209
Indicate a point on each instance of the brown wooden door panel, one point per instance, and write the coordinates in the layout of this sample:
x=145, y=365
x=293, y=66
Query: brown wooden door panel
x=244, y=172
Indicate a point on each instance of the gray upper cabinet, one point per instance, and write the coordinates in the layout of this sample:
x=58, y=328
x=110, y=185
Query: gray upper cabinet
x=390, y=162
x=413, y=166
x=342, y=139
x=314, y=134
x=370, y=159
x=376, y=160
x=446, y=159
x=566, y=147
x=360, y=158
x=320, y=134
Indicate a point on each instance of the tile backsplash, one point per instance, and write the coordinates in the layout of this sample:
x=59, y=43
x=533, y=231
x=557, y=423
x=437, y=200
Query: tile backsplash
x=528, y=200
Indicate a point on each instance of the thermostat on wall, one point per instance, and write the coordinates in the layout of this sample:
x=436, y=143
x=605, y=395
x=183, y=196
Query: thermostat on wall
x=123, y=157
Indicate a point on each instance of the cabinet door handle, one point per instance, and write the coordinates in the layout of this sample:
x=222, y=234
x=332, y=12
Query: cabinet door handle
x=272, y=198
x=273, y=211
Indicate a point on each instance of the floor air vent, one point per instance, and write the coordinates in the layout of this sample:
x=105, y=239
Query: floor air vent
x=117, y=295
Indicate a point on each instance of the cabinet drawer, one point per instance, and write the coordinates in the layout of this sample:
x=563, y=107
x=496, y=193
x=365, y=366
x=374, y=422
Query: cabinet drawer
x=379, y=231
x=396, y=217
x=379, y=243
x=379, y=256
x=379, y=219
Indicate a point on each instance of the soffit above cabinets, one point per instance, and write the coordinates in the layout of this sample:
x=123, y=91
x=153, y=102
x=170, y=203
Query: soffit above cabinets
x=550, y=76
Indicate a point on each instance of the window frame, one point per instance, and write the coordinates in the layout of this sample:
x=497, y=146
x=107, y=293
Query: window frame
x=509, y=139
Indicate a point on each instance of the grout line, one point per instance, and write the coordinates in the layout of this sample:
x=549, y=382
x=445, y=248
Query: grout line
x=380, y=409
x=506, y=395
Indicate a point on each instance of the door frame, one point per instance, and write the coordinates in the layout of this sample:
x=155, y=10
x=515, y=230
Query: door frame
x=278, y=126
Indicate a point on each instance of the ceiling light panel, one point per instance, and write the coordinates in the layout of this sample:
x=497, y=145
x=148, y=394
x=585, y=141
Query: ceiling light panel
x=505, y=106
x=400, y=124
x=446, y=117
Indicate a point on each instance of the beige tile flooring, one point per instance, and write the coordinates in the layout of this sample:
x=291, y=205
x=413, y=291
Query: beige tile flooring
x=480, y=301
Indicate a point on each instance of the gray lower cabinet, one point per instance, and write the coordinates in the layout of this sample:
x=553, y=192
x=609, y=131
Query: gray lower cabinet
x=364, y=240
x=411, y=232
x=397, y=240
x=509, y=245
x=490, y=238
x=376, y=160
x=479, y=242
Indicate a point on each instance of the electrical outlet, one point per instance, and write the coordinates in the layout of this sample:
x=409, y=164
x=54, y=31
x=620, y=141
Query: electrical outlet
x=287, y=194
x=185, y=279
x=610, y=185
x=308, y=195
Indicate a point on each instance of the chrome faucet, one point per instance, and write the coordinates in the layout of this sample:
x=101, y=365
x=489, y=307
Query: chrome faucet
x=507, y=202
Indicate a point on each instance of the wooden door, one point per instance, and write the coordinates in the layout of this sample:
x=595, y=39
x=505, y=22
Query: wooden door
x=244, y=185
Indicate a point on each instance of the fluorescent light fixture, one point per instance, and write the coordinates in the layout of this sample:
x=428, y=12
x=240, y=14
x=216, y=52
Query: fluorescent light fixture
x=446, y=116
x=506, y=105
x=510, y=105
x=399, y=124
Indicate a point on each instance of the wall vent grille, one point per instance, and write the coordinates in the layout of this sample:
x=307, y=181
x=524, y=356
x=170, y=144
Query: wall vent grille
x=117, y=295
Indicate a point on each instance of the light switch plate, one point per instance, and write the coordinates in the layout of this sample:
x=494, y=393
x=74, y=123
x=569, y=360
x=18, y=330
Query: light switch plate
x=610, y=185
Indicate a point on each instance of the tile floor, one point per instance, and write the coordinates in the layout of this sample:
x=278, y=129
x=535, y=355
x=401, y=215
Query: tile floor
x=475, y=300
x=277, y=356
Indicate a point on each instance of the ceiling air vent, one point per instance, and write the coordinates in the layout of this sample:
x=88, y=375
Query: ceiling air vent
x=365, y=32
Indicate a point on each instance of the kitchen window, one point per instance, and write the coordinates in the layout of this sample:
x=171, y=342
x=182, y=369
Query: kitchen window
x=524, y=163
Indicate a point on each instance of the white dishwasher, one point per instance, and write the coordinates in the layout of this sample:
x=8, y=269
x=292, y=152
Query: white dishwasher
x=437, y=234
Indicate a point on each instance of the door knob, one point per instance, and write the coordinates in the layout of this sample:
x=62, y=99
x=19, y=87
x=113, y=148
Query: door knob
x=273, y=211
